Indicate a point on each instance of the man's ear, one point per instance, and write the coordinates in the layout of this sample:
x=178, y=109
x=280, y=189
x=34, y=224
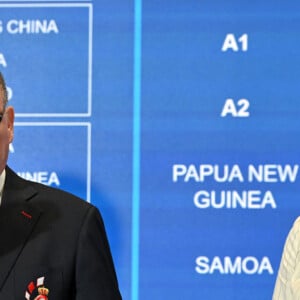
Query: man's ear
x=10, y=117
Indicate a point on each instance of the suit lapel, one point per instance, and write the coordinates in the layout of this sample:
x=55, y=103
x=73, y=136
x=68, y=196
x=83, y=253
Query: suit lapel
x=18, y=218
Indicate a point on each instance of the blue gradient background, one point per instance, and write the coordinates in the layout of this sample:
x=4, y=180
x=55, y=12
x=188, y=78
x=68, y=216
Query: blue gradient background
x=159, y=83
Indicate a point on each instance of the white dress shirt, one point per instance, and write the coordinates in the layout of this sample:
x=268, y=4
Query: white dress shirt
x=287, y=285
x=2, y=180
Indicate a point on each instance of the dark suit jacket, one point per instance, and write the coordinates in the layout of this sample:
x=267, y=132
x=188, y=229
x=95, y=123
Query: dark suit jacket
x=53, y=239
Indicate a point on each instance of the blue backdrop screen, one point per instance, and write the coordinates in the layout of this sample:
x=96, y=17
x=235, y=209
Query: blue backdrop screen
x=179, y=120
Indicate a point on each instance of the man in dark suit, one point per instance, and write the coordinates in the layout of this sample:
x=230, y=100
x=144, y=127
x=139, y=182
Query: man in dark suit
x=53, y=245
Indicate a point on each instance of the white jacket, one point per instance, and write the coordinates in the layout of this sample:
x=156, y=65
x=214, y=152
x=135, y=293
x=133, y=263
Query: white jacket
x=287, y=285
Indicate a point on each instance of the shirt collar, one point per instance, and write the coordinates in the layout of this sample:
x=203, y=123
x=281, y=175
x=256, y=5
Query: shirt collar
x=2, y=180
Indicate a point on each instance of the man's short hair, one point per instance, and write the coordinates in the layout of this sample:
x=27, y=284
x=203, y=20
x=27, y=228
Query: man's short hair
x=3, y=88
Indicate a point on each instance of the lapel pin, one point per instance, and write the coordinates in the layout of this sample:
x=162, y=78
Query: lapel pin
x=27, y=215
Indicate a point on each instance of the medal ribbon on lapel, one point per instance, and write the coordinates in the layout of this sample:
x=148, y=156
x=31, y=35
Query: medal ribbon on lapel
x=41, y=289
